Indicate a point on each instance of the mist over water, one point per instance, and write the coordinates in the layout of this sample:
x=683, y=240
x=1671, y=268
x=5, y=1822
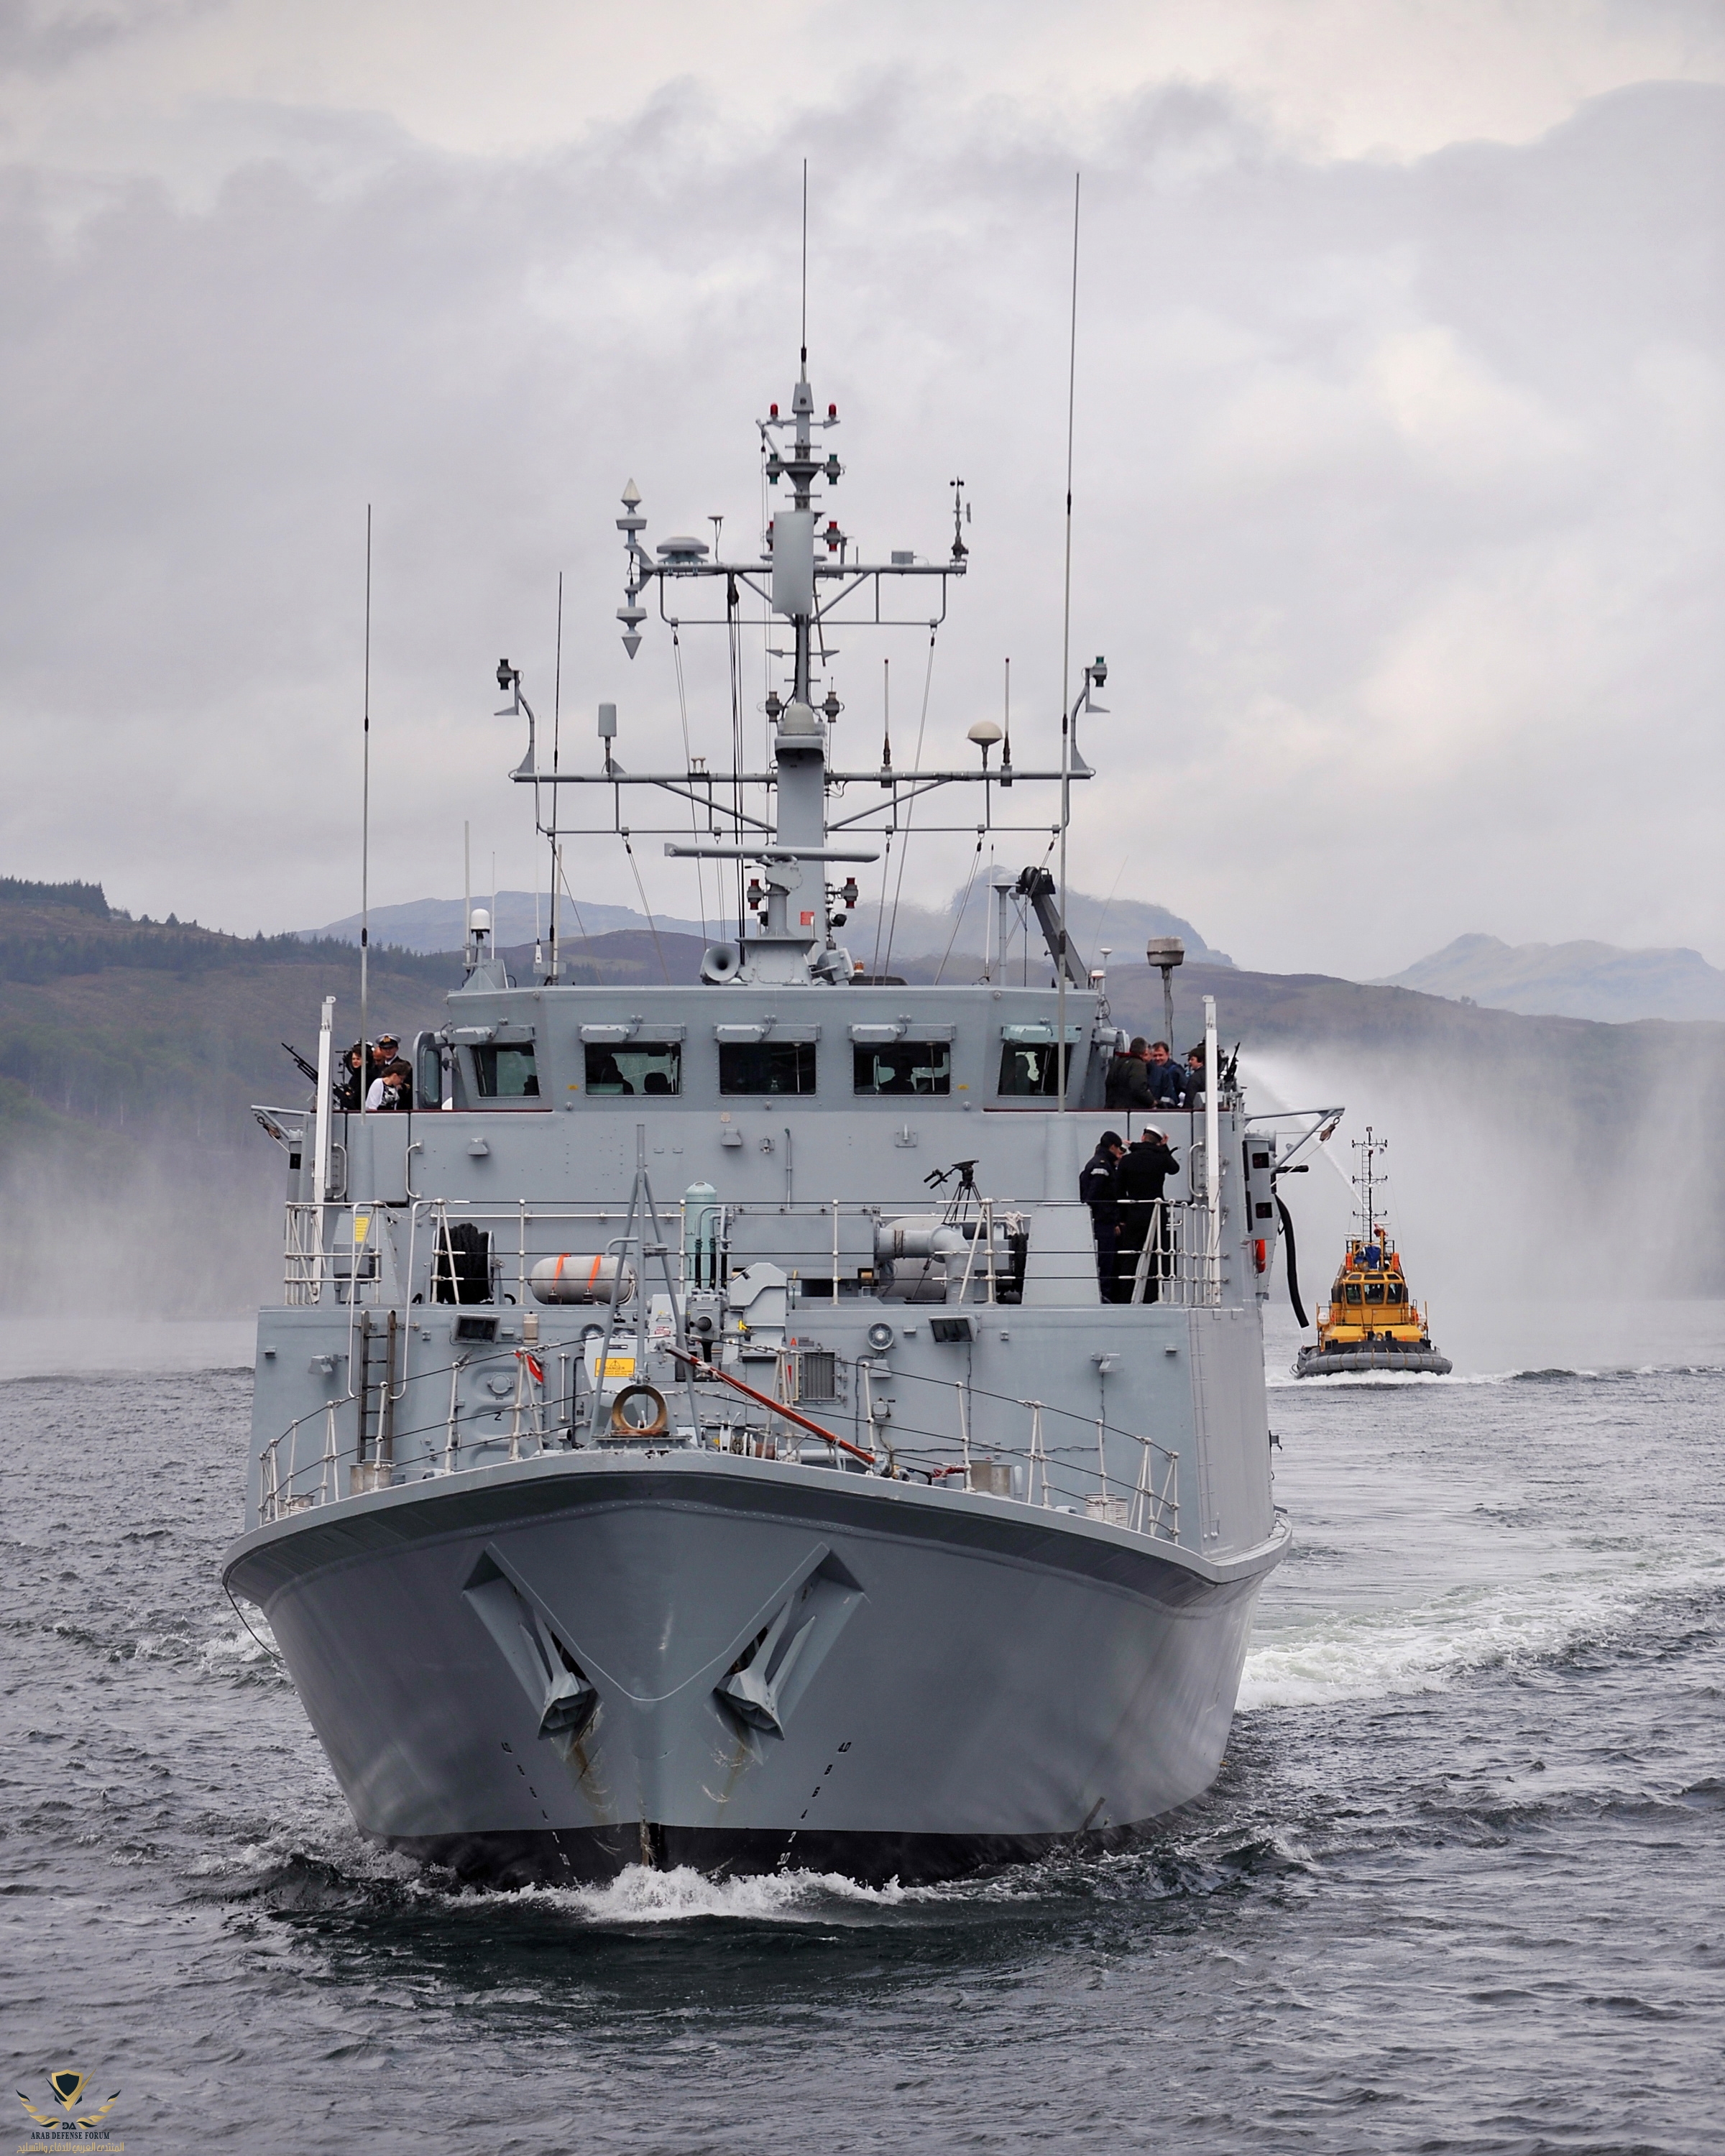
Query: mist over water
x=1537, y=1226
x=1457, y=1887
x=188, y=1234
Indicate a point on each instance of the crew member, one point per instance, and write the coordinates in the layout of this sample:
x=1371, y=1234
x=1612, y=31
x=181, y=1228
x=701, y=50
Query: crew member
x=387, y=1090
x=1168, y=1089
x=354, y=1076
x=387, y=1058
x=1128, y=1087
x=1096, y=1187
x=1139, y=1180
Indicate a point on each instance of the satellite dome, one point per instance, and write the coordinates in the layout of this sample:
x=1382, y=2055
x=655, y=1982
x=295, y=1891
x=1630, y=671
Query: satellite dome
x=682, y=549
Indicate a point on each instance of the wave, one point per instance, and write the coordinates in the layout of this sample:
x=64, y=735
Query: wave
x=1375, y=1380
x=326, y=1866
x=1558, y=1375
x=682, y=1895
x=1391, y=1653
x=1553, y=1374
x=248, y=1654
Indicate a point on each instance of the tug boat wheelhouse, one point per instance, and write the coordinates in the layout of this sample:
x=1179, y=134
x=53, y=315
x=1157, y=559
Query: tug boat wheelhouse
x=1372, y=1323
x=694, y=1432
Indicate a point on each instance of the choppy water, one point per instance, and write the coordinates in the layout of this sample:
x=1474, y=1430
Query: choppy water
x=1460, y=1886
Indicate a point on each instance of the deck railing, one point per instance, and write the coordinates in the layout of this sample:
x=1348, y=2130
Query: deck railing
x=829, y=1251
x=389, y=1267
x=402, y=1424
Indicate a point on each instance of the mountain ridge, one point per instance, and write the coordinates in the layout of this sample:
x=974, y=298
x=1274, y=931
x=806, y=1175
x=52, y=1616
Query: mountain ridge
x=430, y=925
x=130, y=1054
x=1604, y=982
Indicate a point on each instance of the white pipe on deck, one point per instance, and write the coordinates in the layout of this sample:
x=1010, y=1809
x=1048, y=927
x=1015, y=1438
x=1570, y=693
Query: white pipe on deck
x=321, y=1144
x=1212, y=1141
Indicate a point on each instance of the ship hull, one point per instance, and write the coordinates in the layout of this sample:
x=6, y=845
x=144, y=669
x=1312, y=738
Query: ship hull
x=550, y=1671
x=1335, y=1362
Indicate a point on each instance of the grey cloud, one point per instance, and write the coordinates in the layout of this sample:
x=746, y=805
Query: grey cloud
x=1398, y=490
x=42, y=37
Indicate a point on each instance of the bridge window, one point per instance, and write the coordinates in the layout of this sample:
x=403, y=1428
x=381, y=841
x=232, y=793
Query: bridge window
x=643, y=1067
x=1352, y=1290
x=1374, y=1292
x=505, y=1073
x=766, y=1066
x=1027, y=1068
x=1396, y=1291
x=904, y=1066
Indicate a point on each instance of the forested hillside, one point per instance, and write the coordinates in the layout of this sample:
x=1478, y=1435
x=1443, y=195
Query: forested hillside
x=130, y=1054
x=131, y=1051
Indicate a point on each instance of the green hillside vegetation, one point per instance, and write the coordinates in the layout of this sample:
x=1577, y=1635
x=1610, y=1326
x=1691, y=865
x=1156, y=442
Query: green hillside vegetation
x=131, y=1052
x=1599, y=1137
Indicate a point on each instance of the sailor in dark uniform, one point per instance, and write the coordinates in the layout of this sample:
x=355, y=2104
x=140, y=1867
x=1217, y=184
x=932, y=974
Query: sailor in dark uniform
x=1096, y=1187
x=1139, y=1179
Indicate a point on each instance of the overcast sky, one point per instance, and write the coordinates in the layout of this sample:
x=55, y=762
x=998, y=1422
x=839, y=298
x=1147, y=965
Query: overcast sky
x=1400, y=434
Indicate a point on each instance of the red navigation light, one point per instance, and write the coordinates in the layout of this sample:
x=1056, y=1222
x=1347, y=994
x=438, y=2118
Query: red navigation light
x=832, y=411
x=772, y=411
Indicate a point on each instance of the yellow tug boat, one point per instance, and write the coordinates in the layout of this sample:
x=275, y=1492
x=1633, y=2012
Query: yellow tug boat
x=1372, y=1323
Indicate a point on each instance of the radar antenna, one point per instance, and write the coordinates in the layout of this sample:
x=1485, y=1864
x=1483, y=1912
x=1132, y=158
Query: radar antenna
x=789, y=819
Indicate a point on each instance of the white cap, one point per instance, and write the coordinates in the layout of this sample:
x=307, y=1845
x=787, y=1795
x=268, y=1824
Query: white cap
x=479, y=921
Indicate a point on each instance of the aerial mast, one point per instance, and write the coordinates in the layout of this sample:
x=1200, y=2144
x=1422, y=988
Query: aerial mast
x=1365, y=1182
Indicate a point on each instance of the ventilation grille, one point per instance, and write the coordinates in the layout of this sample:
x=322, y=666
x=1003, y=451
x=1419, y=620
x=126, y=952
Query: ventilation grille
x=817, y=1374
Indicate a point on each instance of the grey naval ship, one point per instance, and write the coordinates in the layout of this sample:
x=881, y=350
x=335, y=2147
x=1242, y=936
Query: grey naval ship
x=694, y=1429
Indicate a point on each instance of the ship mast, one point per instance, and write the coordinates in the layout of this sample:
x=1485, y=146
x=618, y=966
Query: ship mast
x=1366, y=1180
x=809, y=575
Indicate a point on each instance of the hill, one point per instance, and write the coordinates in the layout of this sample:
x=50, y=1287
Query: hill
x=1570, y=980
x=440, y=924
x=130, y=1052
x=914, y=933
x=1554, y=1157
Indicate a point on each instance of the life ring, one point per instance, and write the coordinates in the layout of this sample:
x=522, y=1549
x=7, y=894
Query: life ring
x=621, y=1426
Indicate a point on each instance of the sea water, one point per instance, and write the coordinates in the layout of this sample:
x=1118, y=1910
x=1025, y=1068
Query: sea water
x=1459, y=1886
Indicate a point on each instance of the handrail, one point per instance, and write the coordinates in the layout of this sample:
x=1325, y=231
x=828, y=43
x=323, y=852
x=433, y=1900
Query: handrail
x=801, y=1235
x=1152, y=1507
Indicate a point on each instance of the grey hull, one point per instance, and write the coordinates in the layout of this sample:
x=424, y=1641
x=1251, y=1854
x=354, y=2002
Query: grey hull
x=1313, y=1363
x=532, y=1672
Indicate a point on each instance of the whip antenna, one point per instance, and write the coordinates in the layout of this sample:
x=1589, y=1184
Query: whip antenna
x=365, y=836
x=1061, y=1076
x=556, y=709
